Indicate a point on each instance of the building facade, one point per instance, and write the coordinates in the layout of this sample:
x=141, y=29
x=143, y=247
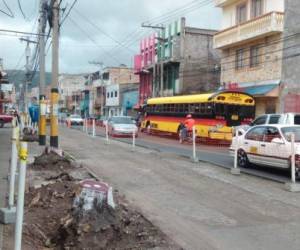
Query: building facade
x=251, y=43
x=290, y=92
x=177, y=60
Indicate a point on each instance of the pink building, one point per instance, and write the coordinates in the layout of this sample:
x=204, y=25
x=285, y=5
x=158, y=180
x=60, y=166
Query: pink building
x=142, y=67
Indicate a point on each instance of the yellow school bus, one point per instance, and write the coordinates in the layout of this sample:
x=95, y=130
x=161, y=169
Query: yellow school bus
x=215, y=113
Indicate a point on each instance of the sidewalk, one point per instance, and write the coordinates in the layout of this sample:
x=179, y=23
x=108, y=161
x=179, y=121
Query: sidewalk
x=200, y=206
x=5, y=148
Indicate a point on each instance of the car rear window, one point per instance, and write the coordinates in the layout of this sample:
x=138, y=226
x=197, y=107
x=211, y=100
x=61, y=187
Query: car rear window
x=297, y=120
x=260, y=121
x=274, y=119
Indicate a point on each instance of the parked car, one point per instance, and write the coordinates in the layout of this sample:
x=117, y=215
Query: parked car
x=75, y=120
x=267, y=145
x=285, y=118
x=5, y=119
x=122, y=126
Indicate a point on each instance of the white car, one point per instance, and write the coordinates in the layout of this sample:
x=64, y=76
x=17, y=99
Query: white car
x=267, y=145
x=285, y=118
x=75, y=120
x=122, y=126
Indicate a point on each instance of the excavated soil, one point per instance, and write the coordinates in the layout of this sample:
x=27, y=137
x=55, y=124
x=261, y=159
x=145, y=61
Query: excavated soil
x=51, y=161
x=52, y=222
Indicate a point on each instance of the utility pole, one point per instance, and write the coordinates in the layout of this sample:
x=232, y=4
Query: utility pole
x=102, y=84
x=27, y=74
x=42, y=97
x=54, y=89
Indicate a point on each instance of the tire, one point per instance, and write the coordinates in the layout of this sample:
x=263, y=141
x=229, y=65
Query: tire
x=242, y=160
x=1, y=123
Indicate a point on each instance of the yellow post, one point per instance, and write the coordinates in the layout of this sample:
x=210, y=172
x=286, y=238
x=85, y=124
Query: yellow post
x=42, y=121
x=53, y=118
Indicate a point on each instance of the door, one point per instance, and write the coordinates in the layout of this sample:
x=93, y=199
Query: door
x=275, y=154
x=252, y=144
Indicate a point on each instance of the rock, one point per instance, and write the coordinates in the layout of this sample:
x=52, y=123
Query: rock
x=86, y=228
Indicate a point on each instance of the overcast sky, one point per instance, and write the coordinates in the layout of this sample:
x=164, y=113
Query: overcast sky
x=95, y=29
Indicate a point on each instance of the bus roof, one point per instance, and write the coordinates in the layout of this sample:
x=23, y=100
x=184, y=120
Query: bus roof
x=200, y=98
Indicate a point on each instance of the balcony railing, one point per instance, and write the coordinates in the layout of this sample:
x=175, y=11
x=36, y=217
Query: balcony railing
x=262, y=26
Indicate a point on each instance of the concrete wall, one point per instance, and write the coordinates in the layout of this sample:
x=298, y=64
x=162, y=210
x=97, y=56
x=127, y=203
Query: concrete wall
x=290, y=69
x=121, y=75
x=270, y=62
x=197, y=71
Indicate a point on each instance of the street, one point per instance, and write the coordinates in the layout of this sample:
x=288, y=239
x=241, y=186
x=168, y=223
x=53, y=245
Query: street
x=215, y=154
x=200, y=206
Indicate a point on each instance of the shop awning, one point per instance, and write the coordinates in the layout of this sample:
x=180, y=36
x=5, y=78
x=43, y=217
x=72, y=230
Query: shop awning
x=262, y=90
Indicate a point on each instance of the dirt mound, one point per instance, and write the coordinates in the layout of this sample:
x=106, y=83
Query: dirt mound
x=51, y=161
x=52, y=222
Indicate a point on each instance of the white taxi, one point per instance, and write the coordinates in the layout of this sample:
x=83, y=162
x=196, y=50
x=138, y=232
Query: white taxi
x=267, y=145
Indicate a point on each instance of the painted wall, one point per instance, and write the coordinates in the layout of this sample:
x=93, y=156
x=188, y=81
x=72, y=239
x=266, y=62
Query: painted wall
x=129, y=100
x=111, y=98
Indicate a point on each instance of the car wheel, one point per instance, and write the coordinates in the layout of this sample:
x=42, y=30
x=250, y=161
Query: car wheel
x=243, y=161
x=1, y=124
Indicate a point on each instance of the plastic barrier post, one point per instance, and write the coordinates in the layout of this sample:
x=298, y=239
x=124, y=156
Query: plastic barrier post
x=235, y=170
x=94, y=128
x=106, y=134
x=8, y=215
x=195, y=159
x=133, y=141
x=21, y=192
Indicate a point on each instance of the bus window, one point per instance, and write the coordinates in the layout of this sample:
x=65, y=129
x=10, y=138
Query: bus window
x=191, y=108
x=220, y=110
x=197, y=108
x=186, y=108
x=202, y=108
x=208, y=108
x=172, y=108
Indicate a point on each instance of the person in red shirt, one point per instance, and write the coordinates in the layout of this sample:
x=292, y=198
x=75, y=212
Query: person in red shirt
x=189, y=123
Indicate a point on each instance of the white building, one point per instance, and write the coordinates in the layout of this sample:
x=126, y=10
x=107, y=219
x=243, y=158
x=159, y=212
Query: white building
x=112, y=101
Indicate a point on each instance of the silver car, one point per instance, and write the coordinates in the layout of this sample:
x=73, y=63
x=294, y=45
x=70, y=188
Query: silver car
x=122, y=126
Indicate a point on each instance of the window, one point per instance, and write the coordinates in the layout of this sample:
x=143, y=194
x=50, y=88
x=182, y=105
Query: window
x=274, y=119
x=241, y=13
x=116, y=93
x=107, y=95
x=111, y=94
x=260, y=120
x=239, y=59
x=254, y=56
x=256, y=8
x=271, y=133
x=256, y=134
x=297, y=120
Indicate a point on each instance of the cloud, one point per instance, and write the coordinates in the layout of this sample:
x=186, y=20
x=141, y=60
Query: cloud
x=81, y=42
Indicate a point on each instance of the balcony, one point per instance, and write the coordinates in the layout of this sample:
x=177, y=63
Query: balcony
x=262, y=26
x=222, y=3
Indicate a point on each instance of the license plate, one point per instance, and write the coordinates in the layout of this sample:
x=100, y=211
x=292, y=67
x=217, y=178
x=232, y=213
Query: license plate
x=253, y=150
x=234, y=117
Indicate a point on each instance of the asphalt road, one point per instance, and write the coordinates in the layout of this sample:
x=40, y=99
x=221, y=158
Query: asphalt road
x=200, y=206
x=217, y=155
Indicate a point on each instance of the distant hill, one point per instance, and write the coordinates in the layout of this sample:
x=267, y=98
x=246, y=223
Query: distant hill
x=18, y=76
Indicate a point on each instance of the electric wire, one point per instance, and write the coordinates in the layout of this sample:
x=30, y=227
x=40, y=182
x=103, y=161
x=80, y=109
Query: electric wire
x=21, y=9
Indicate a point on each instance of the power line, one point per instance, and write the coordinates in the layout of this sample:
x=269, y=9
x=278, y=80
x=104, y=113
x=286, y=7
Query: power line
x=20, y=7
x=10, y=14
x=91, y=39
x=99, y=29
x=66, y=16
